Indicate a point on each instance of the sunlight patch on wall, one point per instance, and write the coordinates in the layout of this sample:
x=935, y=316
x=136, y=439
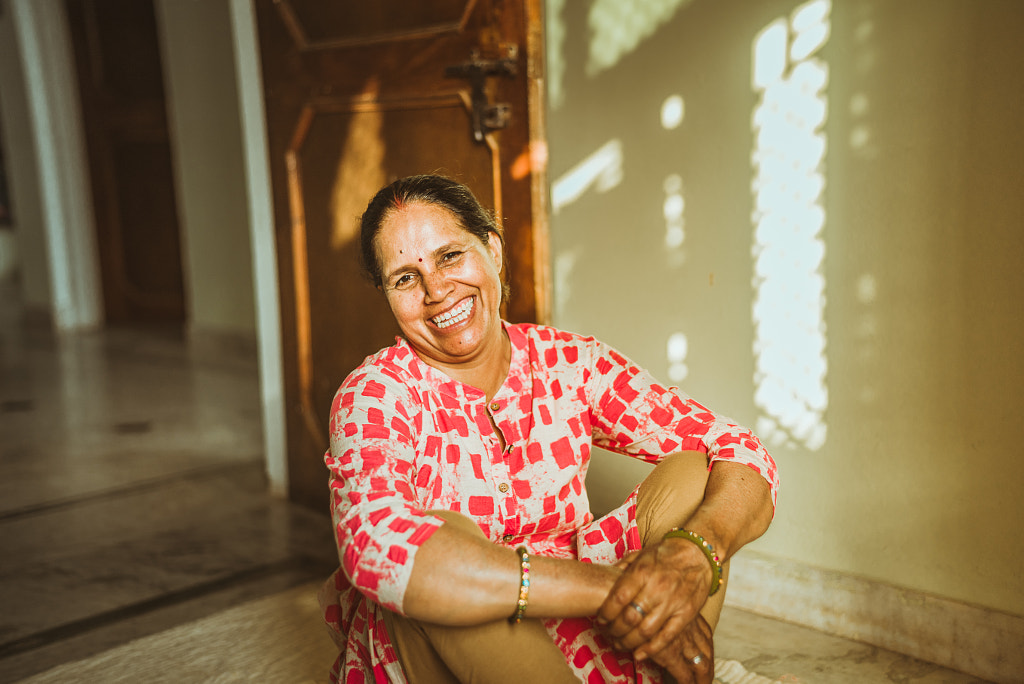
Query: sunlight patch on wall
x=673, y=109
x=360, y=169
x=672, y=209
x=601, y=170
x=676, y=349
x=617, y=28
x=790, y=80
x=565, y=264
x=554, y=44
x=860, y=140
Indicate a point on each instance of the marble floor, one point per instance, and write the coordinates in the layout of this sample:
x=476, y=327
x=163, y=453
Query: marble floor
x=133, y=502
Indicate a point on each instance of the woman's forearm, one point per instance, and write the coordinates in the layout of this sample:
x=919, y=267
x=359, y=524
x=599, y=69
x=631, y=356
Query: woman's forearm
x=461, y=578
x=737, y=508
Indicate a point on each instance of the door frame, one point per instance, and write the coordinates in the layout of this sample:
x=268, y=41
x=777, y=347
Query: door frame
x=76, y=295
x=264, y=250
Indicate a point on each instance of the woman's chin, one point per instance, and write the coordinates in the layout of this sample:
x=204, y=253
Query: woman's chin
x=463, y=341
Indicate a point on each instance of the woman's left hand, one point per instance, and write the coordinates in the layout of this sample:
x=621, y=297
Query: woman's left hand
x=653, y=609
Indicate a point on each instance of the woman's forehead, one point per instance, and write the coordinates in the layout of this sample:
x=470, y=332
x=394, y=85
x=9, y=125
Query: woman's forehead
x=419, y=223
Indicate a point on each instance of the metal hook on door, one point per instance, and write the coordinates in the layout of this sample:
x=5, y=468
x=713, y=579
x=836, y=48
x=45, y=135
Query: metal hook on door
x=486, y=116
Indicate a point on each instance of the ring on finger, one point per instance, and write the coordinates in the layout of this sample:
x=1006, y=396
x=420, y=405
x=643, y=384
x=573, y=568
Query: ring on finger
x=697, y=659
x=638, y=608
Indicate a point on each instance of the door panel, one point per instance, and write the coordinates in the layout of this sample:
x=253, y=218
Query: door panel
x=355, y=100
x=120, y=79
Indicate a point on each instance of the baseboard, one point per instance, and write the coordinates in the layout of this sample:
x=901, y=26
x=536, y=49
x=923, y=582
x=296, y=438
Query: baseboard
x=978, y=641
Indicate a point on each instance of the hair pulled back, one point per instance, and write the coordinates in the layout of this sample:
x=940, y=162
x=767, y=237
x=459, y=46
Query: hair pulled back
x=430, y=189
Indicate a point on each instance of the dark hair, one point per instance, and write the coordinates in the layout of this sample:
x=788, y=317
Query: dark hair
x=427, y=189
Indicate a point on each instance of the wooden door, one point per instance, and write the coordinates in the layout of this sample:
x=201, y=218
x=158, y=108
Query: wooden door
x=357, y=96
x=117, y=56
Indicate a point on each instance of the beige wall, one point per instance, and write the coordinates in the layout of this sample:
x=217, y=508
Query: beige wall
x=918, y=482
x=202, y=98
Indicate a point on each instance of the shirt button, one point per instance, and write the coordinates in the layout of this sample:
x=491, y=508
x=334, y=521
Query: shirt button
x=503, y=487
x=507, y=538
x=495, y=406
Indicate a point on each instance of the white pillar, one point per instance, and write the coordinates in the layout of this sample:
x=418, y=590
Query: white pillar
x=52, y=92
x=264, y=254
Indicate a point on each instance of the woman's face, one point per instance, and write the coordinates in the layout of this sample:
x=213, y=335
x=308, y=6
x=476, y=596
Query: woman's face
x=442, y=283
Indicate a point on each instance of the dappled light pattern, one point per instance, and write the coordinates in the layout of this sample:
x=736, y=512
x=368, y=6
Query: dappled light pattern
x=672, y=111
x=554, y=50
x=673, y=209
x=676, y=350
x=789, y=218
x=617, y=28
x=601, y=170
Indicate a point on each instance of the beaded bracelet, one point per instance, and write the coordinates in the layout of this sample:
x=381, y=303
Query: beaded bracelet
x=524, y=585
x=716, y=564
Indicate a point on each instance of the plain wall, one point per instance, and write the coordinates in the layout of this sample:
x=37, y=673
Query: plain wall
x=202, y=96
x=918, y=482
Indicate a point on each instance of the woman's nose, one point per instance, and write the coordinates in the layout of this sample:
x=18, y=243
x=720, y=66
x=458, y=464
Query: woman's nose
x=436, y=286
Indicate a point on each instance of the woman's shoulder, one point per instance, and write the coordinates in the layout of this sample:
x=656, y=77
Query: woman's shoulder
x=396, y=365
x=545, y=334
x=558, y=350
x=563, y=349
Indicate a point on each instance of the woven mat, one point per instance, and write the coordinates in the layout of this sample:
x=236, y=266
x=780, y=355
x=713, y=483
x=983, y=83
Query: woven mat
x=277, y=639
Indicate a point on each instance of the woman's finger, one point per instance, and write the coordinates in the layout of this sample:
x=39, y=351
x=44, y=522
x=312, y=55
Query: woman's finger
x=691, y=656
x=666, y=637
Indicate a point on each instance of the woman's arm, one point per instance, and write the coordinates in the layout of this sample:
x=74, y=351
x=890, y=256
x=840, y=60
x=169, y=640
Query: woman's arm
x=461, y=578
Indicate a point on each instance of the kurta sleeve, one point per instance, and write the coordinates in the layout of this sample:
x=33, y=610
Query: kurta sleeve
x=631, y=413
x=378, y=521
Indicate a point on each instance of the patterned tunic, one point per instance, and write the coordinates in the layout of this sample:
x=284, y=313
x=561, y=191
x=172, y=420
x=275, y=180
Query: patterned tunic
x=405, y=438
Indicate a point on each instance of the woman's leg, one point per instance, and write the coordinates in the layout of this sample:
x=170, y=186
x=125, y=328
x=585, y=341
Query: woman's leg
x=496, y=652
x=667, y=499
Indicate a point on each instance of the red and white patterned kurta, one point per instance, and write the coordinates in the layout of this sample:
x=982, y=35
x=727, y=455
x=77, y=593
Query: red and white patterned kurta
x=406, y=438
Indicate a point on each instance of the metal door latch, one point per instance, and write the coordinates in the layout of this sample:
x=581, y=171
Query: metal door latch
x=486, y=116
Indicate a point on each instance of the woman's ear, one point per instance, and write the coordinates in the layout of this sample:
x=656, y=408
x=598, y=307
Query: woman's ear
x=494, y=245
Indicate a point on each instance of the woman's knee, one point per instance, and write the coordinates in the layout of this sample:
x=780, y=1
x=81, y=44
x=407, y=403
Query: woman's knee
x=671, y=493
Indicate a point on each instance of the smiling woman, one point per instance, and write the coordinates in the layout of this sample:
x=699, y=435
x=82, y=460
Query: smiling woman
x=458, y=462
x=443, y=287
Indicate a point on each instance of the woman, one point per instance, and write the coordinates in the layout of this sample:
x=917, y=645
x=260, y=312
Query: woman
x=457, y=466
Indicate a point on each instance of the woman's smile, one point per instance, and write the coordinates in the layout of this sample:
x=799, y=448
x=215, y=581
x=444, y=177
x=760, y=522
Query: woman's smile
x=455, y=315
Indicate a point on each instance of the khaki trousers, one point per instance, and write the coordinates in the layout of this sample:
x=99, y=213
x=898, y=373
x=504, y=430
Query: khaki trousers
x=499, y=652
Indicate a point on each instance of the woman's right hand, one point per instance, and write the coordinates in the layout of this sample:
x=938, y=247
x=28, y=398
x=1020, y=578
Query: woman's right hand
x=696, y=638
x=654, y=610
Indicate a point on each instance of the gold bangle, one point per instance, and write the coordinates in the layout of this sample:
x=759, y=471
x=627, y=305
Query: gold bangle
x=709, y=552
x=524, y=585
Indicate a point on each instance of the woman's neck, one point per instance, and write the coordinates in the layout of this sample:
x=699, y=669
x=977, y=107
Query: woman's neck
x=487, y=371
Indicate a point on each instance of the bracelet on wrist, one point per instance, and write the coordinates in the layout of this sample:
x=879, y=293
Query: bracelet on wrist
x=524, y=585
x=709, y=552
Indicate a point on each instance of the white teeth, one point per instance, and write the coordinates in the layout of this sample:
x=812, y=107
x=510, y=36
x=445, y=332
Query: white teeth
x=456, y=315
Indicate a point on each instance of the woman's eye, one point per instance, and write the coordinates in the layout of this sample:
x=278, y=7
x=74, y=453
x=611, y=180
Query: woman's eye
x=451, y=256
x=403, y=281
